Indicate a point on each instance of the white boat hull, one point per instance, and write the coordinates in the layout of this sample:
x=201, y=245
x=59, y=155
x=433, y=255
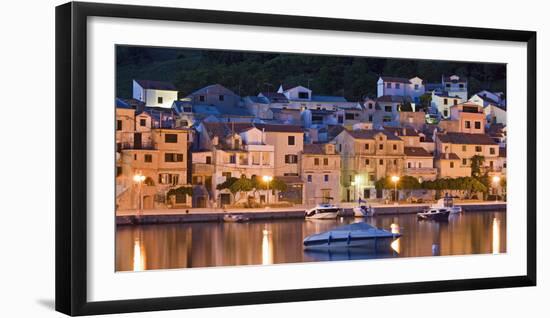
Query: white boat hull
x=323, y=215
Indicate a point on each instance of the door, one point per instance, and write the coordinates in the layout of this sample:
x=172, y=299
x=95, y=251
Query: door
x=225, y=199
x=137, y=140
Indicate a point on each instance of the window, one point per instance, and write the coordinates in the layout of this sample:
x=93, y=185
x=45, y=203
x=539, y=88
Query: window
x=303, y=95
x=221, y=98
x=340, y=147
x=446, y=113
x=173, y=157
x=143, y=122
x=492, y=151
x=416, y=86
x=171, y=138
x=451, y=164
x=387, y=109
x=291, y=159
x=467, y=124
x=381, y=162
x=381, y=146
x=187, y=109
x=371, y=105
x=340, y=119
x=395, y=162
x=478, y=148
x=464, y=148
x=367, y=162
x=202, y=98
x=445, y=101
x=119, y=125
x=397, y=85
x=366, y=146
x=448, y=85
x=309, y=178
x=159, y=100
x=316, y=161
x=208, y=160
x=370, y=118
x=326, y=177
x=477, y=125
x=118, y=147
x=167, y=178
x=118, y=171
x=325, y=161
x=464, y=161
x=232, y=159
x=394, y=147
x=491, y=164
x=148, y=158
x=291, y=140
x=350, y=116
x=461, y=85
x=409, y=165
x=455, y=101
x=422, y=139
x=420, y=165
x=180, y=198
x=388, y=85
x=135, y=156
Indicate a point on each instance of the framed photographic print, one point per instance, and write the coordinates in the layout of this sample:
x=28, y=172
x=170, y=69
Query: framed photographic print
x=208, y=158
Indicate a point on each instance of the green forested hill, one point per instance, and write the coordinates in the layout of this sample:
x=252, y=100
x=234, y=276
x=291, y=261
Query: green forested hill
x=248, y=73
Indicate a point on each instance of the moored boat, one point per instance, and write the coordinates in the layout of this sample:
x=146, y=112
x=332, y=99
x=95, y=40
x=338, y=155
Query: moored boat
x=352, y=235
x=234, y=218
x=363, y=211
x=437, y=214
x=323, y=211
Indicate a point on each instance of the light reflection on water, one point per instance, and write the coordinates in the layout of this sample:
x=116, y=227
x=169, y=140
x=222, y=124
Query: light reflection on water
x=280, y=241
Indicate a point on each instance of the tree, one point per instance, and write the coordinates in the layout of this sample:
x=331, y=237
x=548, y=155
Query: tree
x=477, y=163
x=242, y=185
x=404, y=183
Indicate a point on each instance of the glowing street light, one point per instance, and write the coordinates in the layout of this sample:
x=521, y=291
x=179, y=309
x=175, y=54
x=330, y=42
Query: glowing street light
x=267, y=179
x=496, y=183
x=139, y=178
x=395, y=179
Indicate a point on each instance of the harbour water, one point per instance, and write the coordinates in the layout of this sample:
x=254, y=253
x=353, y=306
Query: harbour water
x=169, y=246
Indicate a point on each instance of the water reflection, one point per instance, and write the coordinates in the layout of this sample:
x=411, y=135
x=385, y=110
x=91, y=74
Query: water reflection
x=274, y=242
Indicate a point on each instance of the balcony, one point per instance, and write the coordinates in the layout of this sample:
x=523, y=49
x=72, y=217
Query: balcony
x=142, y=145
x=203, y=168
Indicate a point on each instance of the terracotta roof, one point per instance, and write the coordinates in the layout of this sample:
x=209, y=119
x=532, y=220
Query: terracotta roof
x=466, y=139
x=148, y=84
x=371, y=134
x=280, y=128
x=224, y=129
x=447, y=156
x=417, y=152
x=315, y=149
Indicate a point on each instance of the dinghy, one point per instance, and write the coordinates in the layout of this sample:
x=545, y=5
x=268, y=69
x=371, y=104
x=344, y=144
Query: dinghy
x=352, y=235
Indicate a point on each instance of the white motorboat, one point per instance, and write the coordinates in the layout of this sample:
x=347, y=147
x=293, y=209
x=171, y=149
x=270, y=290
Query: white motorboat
x=352, y=235
x=361, y=211
x=323, y=211
x=447, y=203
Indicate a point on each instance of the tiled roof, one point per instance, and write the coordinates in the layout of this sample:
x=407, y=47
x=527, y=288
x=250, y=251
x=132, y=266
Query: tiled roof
x=395, y=79
x=205, y=89
x=402, y=131
x=466, y=139
x=222, y=130
x=394, y=99
x=120, y=103
x=315, y=149
x=448, y=79
x=328, y=99
x=280, y=128
x=417, y=152
x=275, y=97
x=334, y=130
x=148, y=84
x=371, y=134
x=447, y=156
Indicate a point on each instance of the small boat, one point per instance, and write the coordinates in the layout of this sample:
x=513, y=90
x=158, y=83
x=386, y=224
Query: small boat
x=352, y=235
x=437, y=214
x=323, y=211
x=363, y=211
x=235, y=218
x=447, y=202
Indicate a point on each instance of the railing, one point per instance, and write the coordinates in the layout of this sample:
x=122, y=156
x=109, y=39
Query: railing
x=143, y=145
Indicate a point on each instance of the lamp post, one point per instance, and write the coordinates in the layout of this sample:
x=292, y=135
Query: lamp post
x=139, y=178
x=496, y=182
x=267, y=179
x=395, y=179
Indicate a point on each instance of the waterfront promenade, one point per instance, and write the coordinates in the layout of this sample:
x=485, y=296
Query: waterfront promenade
x=297, y=211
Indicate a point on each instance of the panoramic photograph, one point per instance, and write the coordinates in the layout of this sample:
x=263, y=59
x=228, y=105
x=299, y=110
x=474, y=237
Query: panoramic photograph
x=234, y=158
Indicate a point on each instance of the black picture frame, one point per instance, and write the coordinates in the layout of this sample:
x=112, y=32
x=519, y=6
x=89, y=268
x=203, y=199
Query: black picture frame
x=71, y=157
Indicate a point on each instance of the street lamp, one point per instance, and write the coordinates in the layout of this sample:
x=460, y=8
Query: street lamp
x=395, y=179
x=139, y=178
x=267, y=179
x=496, y=182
